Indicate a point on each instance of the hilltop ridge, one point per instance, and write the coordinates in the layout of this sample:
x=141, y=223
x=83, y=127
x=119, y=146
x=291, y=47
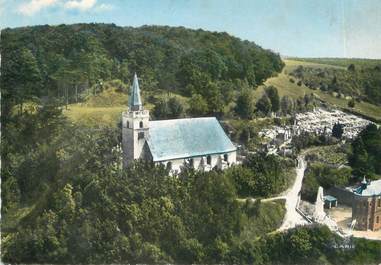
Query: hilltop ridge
x=63, y=61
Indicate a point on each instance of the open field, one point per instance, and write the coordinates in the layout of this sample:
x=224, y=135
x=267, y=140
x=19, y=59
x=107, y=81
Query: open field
x=291, y=64
x=343, y=62
x=105, y=108
x=94, y=116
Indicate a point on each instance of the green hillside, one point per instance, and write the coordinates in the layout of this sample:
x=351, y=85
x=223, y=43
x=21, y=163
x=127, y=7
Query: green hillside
x=292, y=89
x=62, y=62
x=105, y=108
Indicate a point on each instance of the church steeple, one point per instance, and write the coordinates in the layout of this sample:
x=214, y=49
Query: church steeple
x=134, y=101
x=135, y=125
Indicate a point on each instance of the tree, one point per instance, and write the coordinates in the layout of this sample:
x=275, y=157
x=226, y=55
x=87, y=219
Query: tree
x=272, y=93
x=197, y=105
x=244, y=180
x=192, y=251
x=124, y=72
x=334, y=85
x=168, y=109
x=260, y=175
x=175, y=107
x=214, y=98
x=68, y=79
x=161, y=109
x=21, y=77
x=245, y=105
x=351, y=103
x=366, y=154
x=63, y=202
x=359, y=158
x=263, y=105
x=338, y=130
x=351, y=67
x=300, y=243
x=286, y=105
x=10, y=193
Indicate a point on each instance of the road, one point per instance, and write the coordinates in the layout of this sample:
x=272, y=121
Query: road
x=292, y=217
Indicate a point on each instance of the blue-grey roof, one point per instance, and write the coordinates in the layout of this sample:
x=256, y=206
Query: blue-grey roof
x=134, y=100
x=374, y=188
x=329, y=198
x=184, y=138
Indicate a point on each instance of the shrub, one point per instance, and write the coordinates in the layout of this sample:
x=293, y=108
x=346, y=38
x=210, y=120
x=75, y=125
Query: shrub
x=351, y=103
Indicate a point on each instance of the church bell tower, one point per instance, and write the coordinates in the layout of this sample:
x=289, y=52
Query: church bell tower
x=135, y=125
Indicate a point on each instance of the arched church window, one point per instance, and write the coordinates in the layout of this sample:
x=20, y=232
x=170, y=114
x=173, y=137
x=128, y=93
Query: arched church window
x=128, y=124
x=209, y=160
x=226, y=157
x=169, y=165
x=141, y=124
x=191, y=162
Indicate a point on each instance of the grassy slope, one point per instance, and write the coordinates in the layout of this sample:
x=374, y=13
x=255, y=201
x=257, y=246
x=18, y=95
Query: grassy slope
x=285, y=87
x=94, y=116
x=291, y=64
x=343, y=62
x=282, y=80
x=105, y=109
x=100, y=110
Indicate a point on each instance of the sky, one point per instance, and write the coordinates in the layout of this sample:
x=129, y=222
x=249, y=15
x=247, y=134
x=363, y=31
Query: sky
x=302, y=28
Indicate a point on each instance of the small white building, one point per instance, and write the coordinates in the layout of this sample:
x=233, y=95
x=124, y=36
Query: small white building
x=200, y=143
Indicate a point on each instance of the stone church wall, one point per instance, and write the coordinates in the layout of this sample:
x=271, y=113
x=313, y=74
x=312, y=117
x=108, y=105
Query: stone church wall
x=177, y=164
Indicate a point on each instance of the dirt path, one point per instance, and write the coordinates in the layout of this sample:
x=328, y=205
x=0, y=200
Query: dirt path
x=292, y=217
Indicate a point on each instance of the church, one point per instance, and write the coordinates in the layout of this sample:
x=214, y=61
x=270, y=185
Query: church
x=200, y=143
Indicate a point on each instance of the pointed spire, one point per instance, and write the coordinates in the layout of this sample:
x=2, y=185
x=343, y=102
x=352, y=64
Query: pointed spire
x=134, y=101
x=364, y=181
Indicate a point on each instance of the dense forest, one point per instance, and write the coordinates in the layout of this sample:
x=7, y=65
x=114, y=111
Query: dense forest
x=82, y=207
x=63, y=61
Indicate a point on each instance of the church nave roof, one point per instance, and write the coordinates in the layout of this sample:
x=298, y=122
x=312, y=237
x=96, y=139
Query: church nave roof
x=183, y=138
